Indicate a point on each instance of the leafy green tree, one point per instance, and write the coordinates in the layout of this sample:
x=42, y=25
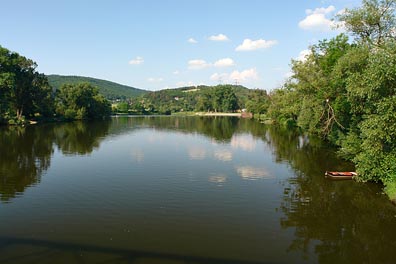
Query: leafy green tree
x=224, y=99
x=346, y=92
x=284, y=107
x=204, y=102
x=23, y=90
x=373, y=23
x=81, y=101
x=122, y=107
x=258, y=102
x=313, y=98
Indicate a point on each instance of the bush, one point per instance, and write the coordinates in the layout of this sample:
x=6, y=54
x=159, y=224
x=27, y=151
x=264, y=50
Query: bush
x=390, y=190
x=70, y=114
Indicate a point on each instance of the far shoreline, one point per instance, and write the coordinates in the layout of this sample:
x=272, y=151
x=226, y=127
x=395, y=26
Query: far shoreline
x=218, y=114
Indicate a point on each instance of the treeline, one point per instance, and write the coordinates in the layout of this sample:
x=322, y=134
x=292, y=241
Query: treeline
x=26, y=94
x=345, y=91
x=110, y=90
x=220, y=98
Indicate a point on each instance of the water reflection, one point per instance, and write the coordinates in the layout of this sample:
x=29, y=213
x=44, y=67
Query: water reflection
x=223, y=154
x=137, y=155
x=26, y=151
x=334, y=222
x=219, y=179
x=196, y=153
x=220, y=129
x=253, y=173
x=80, y=137
x=25, y=156
x=244, y=142
x=325, y=221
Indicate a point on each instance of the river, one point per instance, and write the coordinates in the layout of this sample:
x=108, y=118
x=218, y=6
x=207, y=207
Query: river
x=183, y=190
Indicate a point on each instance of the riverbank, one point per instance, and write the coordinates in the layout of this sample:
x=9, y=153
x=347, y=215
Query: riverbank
x=390, y=190
x=217, y=114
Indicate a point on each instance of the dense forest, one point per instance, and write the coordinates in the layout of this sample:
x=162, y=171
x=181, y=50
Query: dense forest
x=27, y=94
x=111, y=90
x=220, y=98
x=345, y=91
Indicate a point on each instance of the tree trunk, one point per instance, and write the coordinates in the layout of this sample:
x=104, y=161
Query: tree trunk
x=19, y=113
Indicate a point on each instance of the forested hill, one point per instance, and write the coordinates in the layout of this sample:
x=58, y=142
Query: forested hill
x=108, y=89
x=220, y=98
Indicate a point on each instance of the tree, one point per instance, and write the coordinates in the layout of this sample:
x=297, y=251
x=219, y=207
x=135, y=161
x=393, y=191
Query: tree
x=224, y=99
x=23, y=90
x=373, y=23
x=258, y=102
x=313, y=98
x=122, y=107
x=81, y=101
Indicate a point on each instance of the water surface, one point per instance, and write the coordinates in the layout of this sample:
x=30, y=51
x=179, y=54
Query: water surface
x=183, y=190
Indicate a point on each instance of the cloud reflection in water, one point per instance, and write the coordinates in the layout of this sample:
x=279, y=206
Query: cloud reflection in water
x=196, y=153
x=223, y=155
x=219, y=179
x=253, y=173
x=244, y=142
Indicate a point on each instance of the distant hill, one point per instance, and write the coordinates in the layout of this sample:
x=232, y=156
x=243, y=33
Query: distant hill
x=240, y=91
x=222, y=98
x=110, y=90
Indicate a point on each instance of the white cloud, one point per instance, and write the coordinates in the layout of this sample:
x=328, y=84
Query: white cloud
x=198, y=64
x=220, y=37
x=219, y=77
x=152, y=80
x=288, y=75
x=317, y=20
x=137, y=61
x=226, y=62
x=249, y=45
x=244, y=75
x=302, y=56
x=176, y=72
x=192, y=41
x=320, y=10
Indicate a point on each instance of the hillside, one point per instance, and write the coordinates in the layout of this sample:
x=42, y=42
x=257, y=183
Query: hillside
x=110, y=90
x=220, y=98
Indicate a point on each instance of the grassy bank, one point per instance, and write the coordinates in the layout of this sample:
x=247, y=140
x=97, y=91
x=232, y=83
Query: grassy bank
x=390, y=190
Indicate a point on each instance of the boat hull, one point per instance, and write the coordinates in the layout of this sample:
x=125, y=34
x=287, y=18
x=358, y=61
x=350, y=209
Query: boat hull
x=336, y=175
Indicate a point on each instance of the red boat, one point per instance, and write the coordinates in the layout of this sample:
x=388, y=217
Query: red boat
x=340, y=175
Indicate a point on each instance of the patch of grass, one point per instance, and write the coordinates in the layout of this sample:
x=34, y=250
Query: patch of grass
x=390, y=190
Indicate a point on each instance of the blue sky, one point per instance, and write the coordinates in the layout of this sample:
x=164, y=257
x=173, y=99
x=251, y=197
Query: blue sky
x=168, y=43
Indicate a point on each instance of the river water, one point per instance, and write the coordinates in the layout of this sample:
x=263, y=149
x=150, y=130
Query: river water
x=183, y=190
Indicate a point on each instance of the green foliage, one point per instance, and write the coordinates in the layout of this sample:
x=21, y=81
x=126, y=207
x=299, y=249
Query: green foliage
x=390, y=190
x=122, y=107
x=70, y=114
x=23, y=91
x=346, y=92
x=377, y=160
x=81, y=101
x=284, y=106
x=221, y=98
x=258, y=102
x=373, y=23
x=109, y=90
